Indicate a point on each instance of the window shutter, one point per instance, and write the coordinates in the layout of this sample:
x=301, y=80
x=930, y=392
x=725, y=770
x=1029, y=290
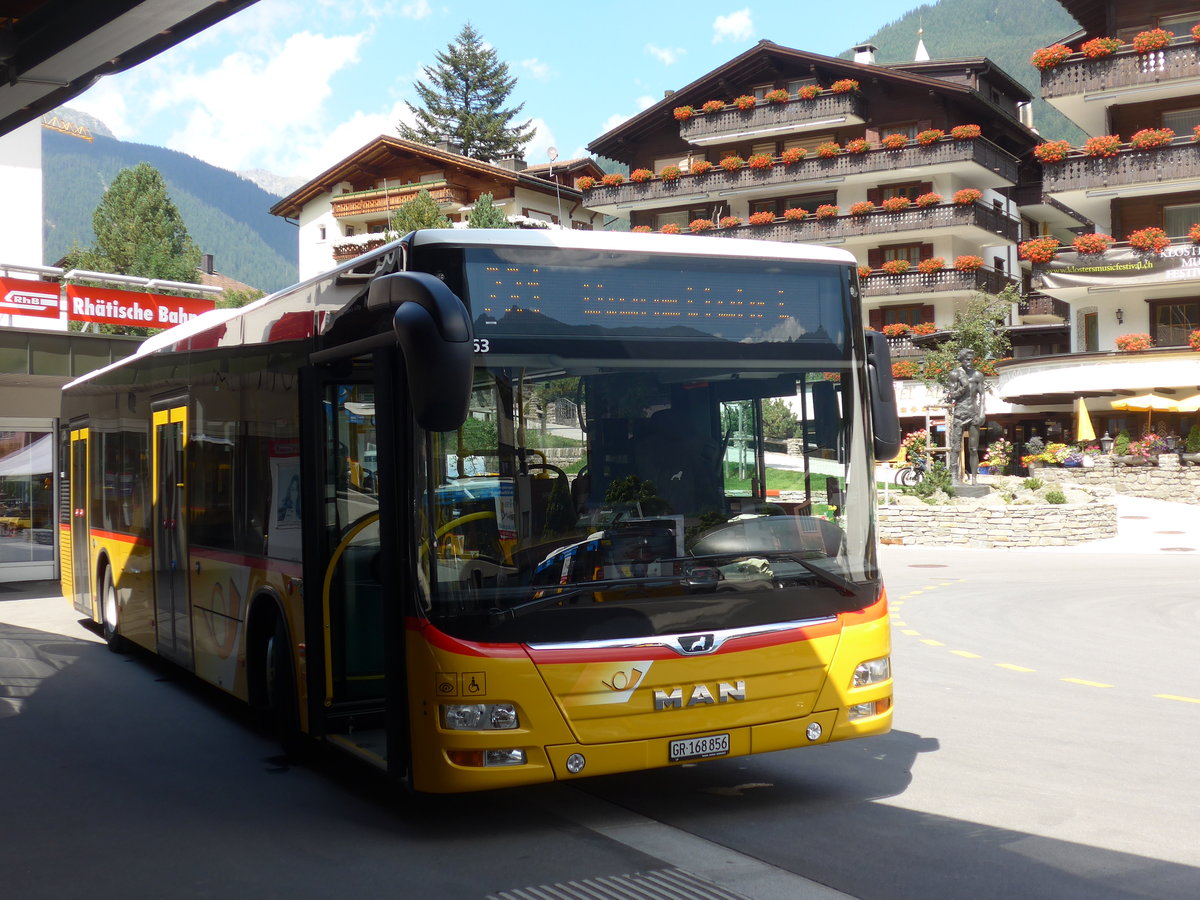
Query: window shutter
x=875, y=195
x=875, y=257
x=927, y=314
x=872, y=135
x=924, y=125
x=926, y=251
x=925, y=187
x=875, y=318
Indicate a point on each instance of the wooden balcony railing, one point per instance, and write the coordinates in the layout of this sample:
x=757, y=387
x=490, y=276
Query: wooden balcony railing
x=1036, y=304
x=1124, y=69
x=1000, y=166
x=1128, y=167
x=881, y=285
x=380, y=201
x=947, y=215
x=778, y=118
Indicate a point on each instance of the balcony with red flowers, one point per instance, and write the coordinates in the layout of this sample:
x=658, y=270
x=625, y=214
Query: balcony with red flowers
x=764, y=120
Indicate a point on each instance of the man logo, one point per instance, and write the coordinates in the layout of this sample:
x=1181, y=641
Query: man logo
x=696, y=643
x=700, y=695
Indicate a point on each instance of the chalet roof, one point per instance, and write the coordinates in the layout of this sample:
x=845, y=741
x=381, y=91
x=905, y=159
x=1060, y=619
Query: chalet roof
x=374, y=158
x=937, y=68
x=580, y=164
x=768, y=60
x=1089, y=14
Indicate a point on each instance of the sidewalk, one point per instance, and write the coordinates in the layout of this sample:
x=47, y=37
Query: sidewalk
x=1146, y=526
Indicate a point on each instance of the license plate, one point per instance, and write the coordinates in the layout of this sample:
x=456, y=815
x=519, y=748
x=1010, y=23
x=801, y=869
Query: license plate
x=698, y=748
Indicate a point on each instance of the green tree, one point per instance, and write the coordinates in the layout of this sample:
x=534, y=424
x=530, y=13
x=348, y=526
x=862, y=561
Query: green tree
x=485, y=214
x=238, y=299
x=139, y=231
x=463, y=98
x=979, y=325
x=779, y=422
x=420, y=212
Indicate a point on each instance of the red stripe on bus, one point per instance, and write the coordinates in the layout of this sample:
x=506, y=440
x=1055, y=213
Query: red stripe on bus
x=283, y=566
x=443, y=641
x=118, y=536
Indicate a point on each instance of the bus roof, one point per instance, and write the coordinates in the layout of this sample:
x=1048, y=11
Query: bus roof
x=303, y=307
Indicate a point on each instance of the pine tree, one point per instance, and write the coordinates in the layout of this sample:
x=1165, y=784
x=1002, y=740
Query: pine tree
x=139, y=231
x=463, y=98
x=420, y=212
x=485, y=214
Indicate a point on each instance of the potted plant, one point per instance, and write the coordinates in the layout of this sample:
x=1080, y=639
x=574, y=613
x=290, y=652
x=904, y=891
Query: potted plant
x=700, y=166
x=1194, y=340
x=1092, y=243
x=930, y=136
x=1151, y=40
x=809, y=91
x=896, y=266
x=793, y=155
x=931, y=265
x=1034, y=448
x=894, y=141
x=1101, y=46
x=1052, y=151
x=797, y=214
x=858, y=145
x=712, y=106
x=585, y=182
x=641, y=229
x=1103, y=145
x=612, y=179
x=926, y=200
x=904, y=368
x=862, y=208
x=968, y=263
x=1191, y=446
x=639, y=176
x=1049, y=57
x=827, y=211
x=1129, y=343
x=828, y=149
x=1194, y=234
x=745, y=101
x=998, y=456
x=895, y=204
x=965, y=132
x=669, y=228
x=844, y=86
x=683, y=113
x=779, y=95
x=732, y=163
x=698, y=225
x=729, y=221
x=1150, y=138
x=1149, y=448
x=760, y=161
x=864, y=271
x=1149, y=240
x=670, y=173
x=924, y=328
x=896, y=329
x=762, y=218
x=1038, y=250
x=967, y=196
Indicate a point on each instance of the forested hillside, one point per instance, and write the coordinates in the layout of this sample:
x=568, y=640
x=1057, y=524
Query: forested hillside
x=1005, y=32
x=226, y=216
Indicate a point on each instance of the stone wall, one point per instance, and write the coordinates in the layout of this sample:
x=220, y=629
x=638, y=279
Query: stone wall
x=1040, y=525
x=1166, y=481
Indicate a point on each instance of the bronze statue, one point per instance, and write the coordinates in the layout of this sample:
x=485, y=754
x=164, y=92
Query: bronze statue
x=964, y=396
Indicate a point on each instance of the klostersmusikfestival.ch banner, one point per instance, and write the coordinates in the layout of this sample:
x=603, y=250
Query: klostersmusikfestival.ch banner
x=1119, y=268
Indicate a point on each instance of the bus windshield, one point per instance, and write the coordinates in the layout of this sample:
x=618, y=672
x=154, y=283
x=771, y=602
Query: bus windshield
x=593, y=502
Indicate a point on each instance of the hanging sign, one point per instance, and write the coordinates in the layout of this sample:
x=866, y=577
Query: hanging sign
x=1119, y=268
x=113, y=307
x=29, y=298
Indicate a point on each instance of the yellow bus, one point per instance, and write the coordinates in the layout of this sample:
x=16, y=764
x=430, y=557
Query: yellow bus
x=496, y=507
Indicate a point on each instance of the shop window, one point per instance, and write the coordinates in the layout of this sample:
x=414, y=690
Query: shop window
x=1173, y=320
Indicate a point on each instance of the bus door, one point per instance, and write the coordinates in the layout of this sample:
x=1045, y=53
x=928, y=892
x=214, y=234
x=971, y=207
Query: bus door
x=80, y=561
x=172, y=612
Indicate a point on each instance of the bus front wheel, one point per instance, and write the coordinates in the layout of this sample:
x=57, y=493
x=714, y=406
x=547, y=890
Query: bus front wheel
x=279, y=689
x=110, y=614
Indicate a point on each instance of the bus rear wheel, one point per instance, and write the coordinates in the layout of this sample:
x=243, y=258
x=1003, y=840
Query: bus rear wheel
x=110, y=614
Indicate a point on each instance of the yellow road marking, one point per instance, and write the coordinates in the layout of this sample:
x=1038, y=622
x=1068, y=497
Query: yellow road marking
x=1086, y=683
x=898, y=623
x=966, y=655
x=932, y=643
x=1177, y=697
x=1015, y=668
x=911, y=633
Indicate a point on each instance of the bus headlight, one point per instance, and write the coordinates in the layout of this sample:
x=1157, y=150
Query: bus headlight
x=872, y=671
x=479, y=716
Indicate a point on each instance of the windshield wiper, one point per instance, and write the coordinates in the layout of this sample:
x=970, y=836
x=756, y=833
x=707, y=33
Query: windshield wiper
x=842, y=585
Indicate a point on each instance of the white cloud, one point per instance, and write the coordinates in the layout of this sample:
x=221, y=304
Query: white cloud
x=536, y=67
x=645, y=102
x=737, y=26
x=666, y=55
x=261, y=106
x=537, y=150
x=419, y=9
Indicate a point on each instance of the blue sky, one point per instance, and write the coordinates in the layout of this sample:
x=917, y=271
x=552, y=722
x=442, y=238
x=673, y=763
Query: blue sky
x=293, y=86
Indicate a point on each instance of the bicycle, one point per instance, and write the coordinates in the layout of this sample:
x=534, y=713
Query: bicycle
x=913, y=473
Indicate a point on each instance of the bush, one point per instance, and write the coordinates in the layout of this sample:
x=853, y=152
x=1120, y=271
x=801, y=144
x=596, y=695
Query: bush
x=1032, y=484
x=1121, y=443
x=936, y=479
x=1056, y=496
x=1192, y=444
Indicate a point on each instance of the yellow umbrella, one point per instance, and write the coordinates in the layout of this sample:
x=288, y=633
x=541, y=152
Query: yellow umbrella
x=1147, y=403
x=1190, y=404
x=1083, y=422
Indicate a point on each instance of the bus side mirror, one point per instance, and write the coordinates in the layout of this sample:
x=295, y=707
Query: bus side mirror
x=885, y=414
x=434, y=332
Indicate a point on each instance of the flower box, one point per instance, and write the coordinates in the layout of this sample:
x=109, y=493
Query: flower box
x=700, y=166
x=1101, y=46
x=732, y=163
x=1128, y=343
x=809, y=91
x=776, y=96
x=894, y=141
x=796, y=214
x=930, y=136
x=1038, y=250
x=1049, y=57
x=965, y=132
x=670, y=173
x=1103, y=145
x=1052, y=151
x=712, y=106
x=762, y=218
x=931, y=265
x=640, y=176
x=1150, y=138
x=858, y=145
x=760, y=161
x=896, y=204
x=828, y=211
x=585, y=183
x=1149, y=240
x=730, y=221
x=1092, y=243
x=930, y=199
x=828, y=150
x=745, y=101
x=844, y=86
x=698, y=225
x=967, y=263
x=1151, y=40
x=683, y=113
x=793, y=155
x=862, y=208
x=967, y=196
x=896, y=266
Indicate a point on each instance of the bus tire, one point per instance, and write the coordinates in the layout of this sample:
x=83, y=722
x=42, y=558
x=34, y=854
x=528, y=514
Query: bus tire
x=279, y=690
x=110, y=614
